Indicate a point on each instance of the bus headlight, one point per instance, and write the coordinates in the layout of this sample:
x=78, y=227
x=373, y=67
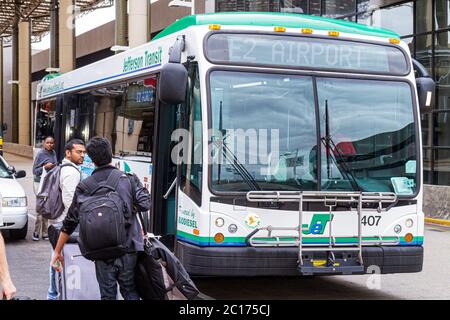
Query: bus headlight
x=219, y=222
x=232, y=228
x=409, y=223
x=15, y=202
x=398, y=228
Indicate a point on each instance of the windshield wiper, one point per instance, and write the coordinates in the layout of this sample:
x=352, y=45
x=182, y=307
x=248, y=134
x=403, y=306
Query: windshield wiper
x=341, y=164
x=237, y=165
x=228, y=154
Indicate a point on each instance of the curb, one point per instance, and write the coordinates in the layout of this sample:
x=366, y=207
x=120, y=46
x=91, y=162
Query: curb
x=438, y=221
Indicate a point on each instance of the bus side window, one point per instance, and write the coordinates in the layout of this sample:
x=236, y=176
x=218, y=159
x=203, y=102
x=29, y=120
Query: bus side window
x=192, y=170
x=45, y=121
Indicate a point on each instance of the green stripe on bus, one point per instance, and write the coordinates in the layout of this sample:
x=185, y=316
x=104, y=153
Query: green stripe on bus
x=208, y=239
x=269, y=19
x=306, y=239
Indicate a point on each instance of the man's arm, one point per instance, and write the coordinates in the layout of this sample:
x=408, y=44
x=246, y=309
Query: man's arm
x=69, y=225
x=58, y=257
x=8, y=288
x=141, y=196
x=37, y=165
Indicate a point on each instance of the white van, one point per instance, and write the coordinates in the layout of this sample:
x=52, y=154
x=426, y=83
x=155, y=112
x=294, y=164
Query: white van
x=13, y=201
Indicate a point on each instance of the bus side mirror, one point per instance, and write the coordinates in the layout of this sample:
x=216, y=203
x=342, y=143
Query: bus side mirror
x=173, y=83
x=426, y=89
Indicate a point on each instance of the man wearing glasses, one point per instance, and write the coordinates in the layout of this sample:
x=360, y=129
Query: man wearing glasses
x=69, y=178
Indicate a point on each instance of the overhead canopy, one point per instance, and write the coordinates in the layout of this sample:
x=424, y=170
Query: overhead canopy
x=38, y=12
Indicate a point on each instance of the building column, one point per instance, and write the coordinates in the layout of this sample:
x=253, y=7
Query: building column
x=54, y=34
x=24, y=82
x=138, y=22
x=121, y=27
x=14, y=87
x=67, y=35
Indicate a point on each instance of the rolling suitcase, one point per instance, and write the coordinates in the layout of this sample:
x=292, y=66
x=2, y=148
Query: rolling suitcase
x=77, y=281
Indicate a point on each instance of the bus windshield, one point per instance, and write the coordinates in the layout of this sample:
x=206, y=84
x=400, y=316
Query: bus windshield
x=271, y=133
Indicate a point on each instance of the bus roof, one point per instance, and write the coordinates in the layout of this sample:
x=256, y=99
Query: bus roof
x=267, y=19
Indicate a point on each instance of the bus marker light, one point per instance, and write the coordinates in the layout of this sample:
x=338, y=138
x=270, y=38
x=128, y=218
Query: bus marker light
x=219, y=222
x=196, y=232
x=307, y=30
x=219, y=238
x=409, y=237
x=333, y=33
x=232, y=228
x=279, y=29
x=398, y=228
x=394, y=40
x=409, y=223
x=214, y=27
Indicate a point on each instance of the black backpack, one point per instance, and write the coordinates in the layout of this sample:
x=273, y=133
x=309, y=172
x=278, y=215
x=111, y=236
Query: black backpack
x=104, y=219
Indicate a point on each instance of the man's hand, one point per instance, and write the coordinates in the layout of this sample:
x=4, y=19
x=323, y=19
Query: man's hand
x=8, y=290
x=57, y=262
x=49, y=166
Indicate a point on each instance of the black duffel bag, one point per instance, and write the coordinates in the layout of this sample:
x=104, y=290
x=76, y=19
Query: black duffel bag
x=159, y=275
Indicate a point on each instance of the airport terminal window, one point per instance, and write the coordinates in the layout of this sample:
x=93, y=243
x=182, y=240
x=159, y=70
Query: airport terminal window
x=424, y=22
x=45, y=121
x=336, y=8
x=426, y=119
x=441, y=166
x=315, y=7
x=294, y=6
x=442, y=129
x=389, y=18
x=424, y=51
x=442, y=14
x=427, y=165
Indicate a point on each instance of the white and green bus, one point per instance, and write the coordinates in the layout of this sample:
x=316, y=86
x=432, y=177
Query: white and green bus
x=273, y=144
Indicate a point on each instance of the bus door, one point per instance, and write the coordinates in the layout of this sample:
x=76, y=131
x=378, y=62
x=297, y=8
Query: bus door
x=164, y=175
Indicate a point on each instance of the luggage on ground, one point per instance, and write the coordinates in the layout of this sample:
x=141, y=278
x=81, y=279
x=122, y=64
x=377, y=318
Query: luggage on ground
x=160, y=275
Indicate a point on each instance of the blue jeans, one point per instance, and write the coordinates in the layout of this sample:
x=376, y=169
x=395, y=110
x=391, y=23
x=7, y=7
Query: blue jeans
x=52, y=293
x=113, y=271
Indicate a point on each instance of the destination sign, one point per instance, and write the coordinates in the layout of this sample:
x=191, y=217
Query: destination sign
x=306, y=52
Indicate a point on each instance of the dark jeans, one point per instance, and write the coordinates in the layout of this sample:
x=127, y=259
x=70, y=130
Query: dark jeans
x=120, y=270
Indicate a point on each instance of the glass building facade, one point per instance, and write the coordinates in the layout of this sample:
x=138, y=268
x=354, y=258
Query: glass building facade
x=423, y=24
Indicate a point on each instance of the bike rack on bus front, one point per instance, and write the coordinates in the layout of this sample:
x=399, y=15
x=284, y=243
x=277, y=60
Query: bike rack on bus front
x=330, y=200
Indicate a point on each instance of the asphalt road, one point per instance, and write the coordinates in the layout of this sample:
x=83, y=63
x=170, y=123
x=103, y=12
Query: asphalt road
x=29, y=262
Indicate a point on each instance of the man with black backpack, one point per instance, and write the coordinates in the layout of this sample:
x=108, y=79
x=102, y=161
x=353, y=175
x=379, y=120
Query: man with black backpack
x=105, y=206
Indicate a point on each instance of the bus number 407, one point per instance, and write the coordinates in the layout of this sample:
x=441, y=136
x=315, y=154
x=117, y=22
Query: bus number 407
x=370, y=220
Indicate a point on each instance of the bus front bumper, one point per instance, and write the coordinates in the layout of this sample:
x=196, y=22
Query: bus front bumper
x=282, y=261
